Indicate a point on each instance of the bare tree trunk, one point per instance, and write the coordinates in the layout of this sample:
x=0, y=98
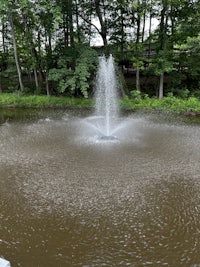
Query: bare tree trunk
x=47, y=84
x=138, y=35
x=161, y=83
x=137, y=78
x=163, y=42
x=150, y=26
x=16, y=54
x=36, y=78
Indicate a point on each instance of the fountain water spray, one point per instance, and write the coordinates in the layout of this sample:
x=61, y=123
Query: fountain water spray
x=106, y=96
x=4, y=263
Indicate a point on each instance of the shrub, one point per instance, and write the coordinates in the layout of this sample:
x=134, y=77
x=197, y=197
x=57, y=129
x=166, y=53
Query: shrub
x=135, y=94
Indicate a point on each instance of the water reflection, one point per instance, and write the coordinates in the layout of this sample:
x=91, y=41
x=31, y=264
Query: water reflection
x=69, y=203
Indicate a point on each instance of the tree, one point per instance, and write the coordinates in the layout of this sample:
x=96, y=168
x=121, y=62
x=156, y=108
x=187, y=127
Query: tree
x=39, y=33
x=75, y=67
x=139, y=9
x=18, y=66
x=10, y=9
x=163, y=28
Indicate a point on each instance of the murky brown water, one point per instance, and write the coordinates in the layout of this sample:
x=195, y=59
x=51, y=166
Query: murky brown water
x=66, y=201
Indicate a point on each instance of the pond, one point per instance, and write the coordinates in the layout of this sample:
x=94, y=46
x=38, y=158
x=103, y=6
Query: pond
x=68, y=200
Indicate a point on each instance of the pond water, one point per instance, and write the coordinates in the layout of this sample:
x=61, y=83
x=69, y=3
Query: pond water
x=67, y=200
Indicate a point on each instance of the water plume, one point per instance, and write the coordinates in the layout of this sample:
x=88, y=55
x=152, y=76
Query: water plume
x=106, y=107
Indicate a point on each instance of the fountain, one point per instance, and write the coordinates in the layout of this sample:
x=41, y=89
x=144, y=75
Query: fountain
x=4, y=263
x=106, y=106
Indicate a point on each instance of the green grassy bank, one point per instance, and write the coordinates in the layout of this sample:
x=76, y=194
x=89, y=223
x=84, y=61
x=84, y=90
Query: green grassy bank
x=36, y=101
x=169, y=103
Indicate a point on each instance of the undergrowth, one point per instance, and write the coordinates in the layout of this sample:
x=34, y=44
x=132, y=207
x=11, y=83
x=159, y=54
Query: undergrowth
x=169, y=102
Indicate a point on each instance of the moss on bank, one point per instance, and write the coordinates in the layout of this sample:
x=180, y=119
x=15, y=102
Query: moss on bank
x=169, y=103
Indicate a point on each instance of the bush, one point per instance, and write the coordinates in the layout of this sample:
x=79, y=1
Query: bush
x=136, y=94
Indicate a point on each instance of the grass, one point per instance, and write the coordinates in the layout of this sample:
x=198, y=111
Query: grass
x=35, y=101
x=169, y=103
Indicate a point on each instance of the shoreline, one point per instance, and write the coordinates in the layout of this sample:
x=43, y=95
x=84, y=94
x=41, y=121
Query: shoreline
x=169, y=104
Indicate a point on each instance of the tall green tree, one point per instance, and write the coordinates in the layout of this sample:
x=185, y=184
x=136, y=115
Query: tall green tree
x=9, y=8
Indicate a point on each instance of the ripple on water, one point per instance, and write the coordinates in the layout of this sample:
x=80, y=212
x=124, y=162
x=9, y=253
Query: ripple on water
x=72, y=203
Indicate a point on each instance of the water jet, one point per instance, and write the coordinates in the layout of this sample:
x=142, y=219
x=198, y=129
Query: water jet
x=4, y=263
x=105, y=120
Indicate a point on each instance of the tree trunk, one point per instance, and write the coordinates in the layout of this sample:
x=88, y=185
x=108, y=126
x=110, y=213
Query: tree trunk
x=138, y=29
x=77, y=22
x=47, y=84
x=150, y=25
x=65, y=30
x=163, y=42
x=138, y=35
x=144, y=20
x=36, y=78
x=16, y=54
x=122, y=33
x=102, y=21
x=3, y=36
x=137, y=78
x=38, y=56
x=70, y=21
x=161, y=83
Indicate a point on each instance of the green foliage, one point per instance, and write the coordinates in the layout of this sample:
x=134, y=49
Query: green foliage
x=136, y=94
x=184, y=94
x=74, y=73
x=20, y=100
x=50, y=36
x=168, y=103
x=163, y=62
x=191, y=50
x=9, y=79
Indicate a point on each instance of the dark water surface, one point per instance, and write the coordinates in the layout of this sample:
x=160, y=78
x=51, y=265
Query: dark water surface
x=67, y=200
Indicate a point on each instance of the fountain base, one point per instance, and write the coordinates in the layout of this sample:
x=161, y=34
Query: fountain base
x=108, y=138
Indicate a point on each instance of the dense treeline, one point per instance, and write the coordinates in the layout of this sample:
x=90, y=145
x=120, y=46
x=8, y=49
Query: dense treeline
x=47, y=46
